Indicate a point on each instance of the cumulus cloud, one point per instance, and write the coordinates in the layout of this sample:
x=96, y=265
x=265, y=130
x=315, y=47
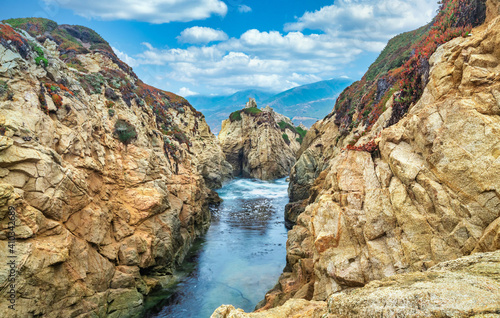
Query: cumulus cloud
x=185, y=92
x=153, y=11
x=244, y=8
x=198, y=34
x=125, y=58
x=367, y=19
x=267, y=60
x=340, y=34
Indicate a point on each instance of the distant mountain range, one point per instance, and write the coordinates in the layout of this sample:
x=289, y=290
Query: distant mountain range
x=303, y=104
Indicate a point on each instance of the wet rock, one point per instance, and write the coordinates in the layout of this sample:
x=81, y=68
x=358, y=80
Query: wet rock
x=466, y=287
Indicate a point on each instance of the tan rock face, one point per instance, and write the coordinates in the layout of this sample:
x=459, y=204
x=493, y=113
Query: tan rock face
x=255, y=146
x=210, y=161
x=431, y=195
x=92, y=213
x=466, y=287
x=294, y=308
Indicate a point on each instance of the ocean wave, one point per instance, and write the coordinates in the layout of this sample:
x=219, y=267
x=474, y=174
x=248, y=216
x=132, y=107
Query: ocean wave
x=254, y=189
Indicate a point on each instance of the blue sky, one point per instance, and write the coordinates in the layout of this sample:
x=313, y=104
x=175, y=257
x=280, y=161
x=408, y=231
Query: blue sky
x=217, y=47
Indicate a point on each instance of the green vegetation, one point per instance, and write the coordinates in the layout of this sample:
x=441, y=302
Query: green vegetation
x=92, y=83
x=252, y=111
x=41, y=56
x=111, y=112
x=286, y=139
x=125, y=131
x=57, y=100
x=38, y=50
x=236, y=116
x=299, y=131
x=176, y=133
x=402, y=67
x=76, y=64
x=66, y=36
x=302, y=133
x=43, y=101
x=397, y=51
x=34, y=26
x=5, y=91
x=284, y=125
x=41, y=59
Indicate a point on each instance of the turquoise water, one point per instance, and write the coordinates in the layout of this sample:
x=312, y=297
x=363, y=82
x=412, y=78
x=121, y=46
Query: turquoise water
x=240, y=257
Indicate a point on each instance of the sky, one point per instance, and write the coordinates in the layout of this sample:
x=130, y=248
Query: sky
x=218, y=47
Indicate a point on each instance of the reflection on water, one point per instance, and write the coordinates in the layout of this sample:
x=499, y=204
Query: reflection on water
x=242, y=254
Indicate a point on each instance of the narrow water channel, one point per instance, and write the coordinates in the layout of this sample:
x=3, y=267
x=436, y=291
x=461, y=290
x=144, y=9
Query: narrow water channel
x=240, y=257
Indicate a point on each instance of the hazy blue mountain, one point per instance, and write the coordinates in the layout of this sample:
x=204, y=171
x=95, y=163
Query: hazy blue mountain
x=303, y=104
x=313, y=100
x=218, y=108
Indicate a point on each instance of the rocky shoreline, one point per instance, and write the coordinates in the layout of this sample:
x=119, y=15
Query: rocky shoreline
x=401, y=219
x=108, y=176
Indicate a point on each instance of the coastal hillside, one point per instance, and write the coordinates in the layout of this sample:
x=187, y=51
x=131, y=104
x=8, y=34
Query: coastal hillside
x=104, y=176
x=260, y=143
x=395, y=196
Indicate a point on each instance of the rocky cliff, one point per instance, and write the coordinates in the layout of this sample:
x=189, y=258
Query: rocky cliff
x=260, y=143
x=465, y=287
x=404, y=176
x=101, y=176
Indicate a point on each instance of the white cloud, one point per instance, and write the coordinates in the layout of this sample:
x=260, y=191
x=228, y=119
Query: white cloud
x=198, y=34
x=267, y=60
x=153, y=11
x=148, y=45
x=185, y=92
x=367, y=19
x=244, y=8
x=125, y=58
x=350, y=31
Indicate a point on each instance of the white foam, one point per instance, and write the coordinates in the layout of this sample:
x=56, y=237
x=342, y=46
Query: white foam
x=254, y=189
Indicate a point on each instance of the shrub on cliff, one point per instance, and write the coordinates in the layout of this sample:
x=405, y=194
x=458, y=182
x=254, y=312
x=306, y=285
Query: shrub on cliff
x=297, y=130
x=125, y=131
x=5, y=91
x=252, y=111
x=302, y=133
x=57, y=100
x=286, y=139
x=235, y=116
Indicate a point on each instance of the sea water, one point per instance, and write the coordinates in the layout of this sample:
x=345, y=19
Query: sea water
x=240, y=257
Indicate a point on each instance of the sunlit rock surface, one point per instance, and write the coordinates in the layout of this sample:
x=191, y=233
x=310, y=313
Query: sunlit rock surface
x=106, y=174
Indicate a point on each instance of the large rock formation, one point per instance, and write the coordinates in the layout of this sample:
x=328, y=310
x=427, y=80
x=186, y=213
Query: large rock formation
x=373, y=202
x=101, y=173
x=466, y=287
x=430, y=194
x=260, y=143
